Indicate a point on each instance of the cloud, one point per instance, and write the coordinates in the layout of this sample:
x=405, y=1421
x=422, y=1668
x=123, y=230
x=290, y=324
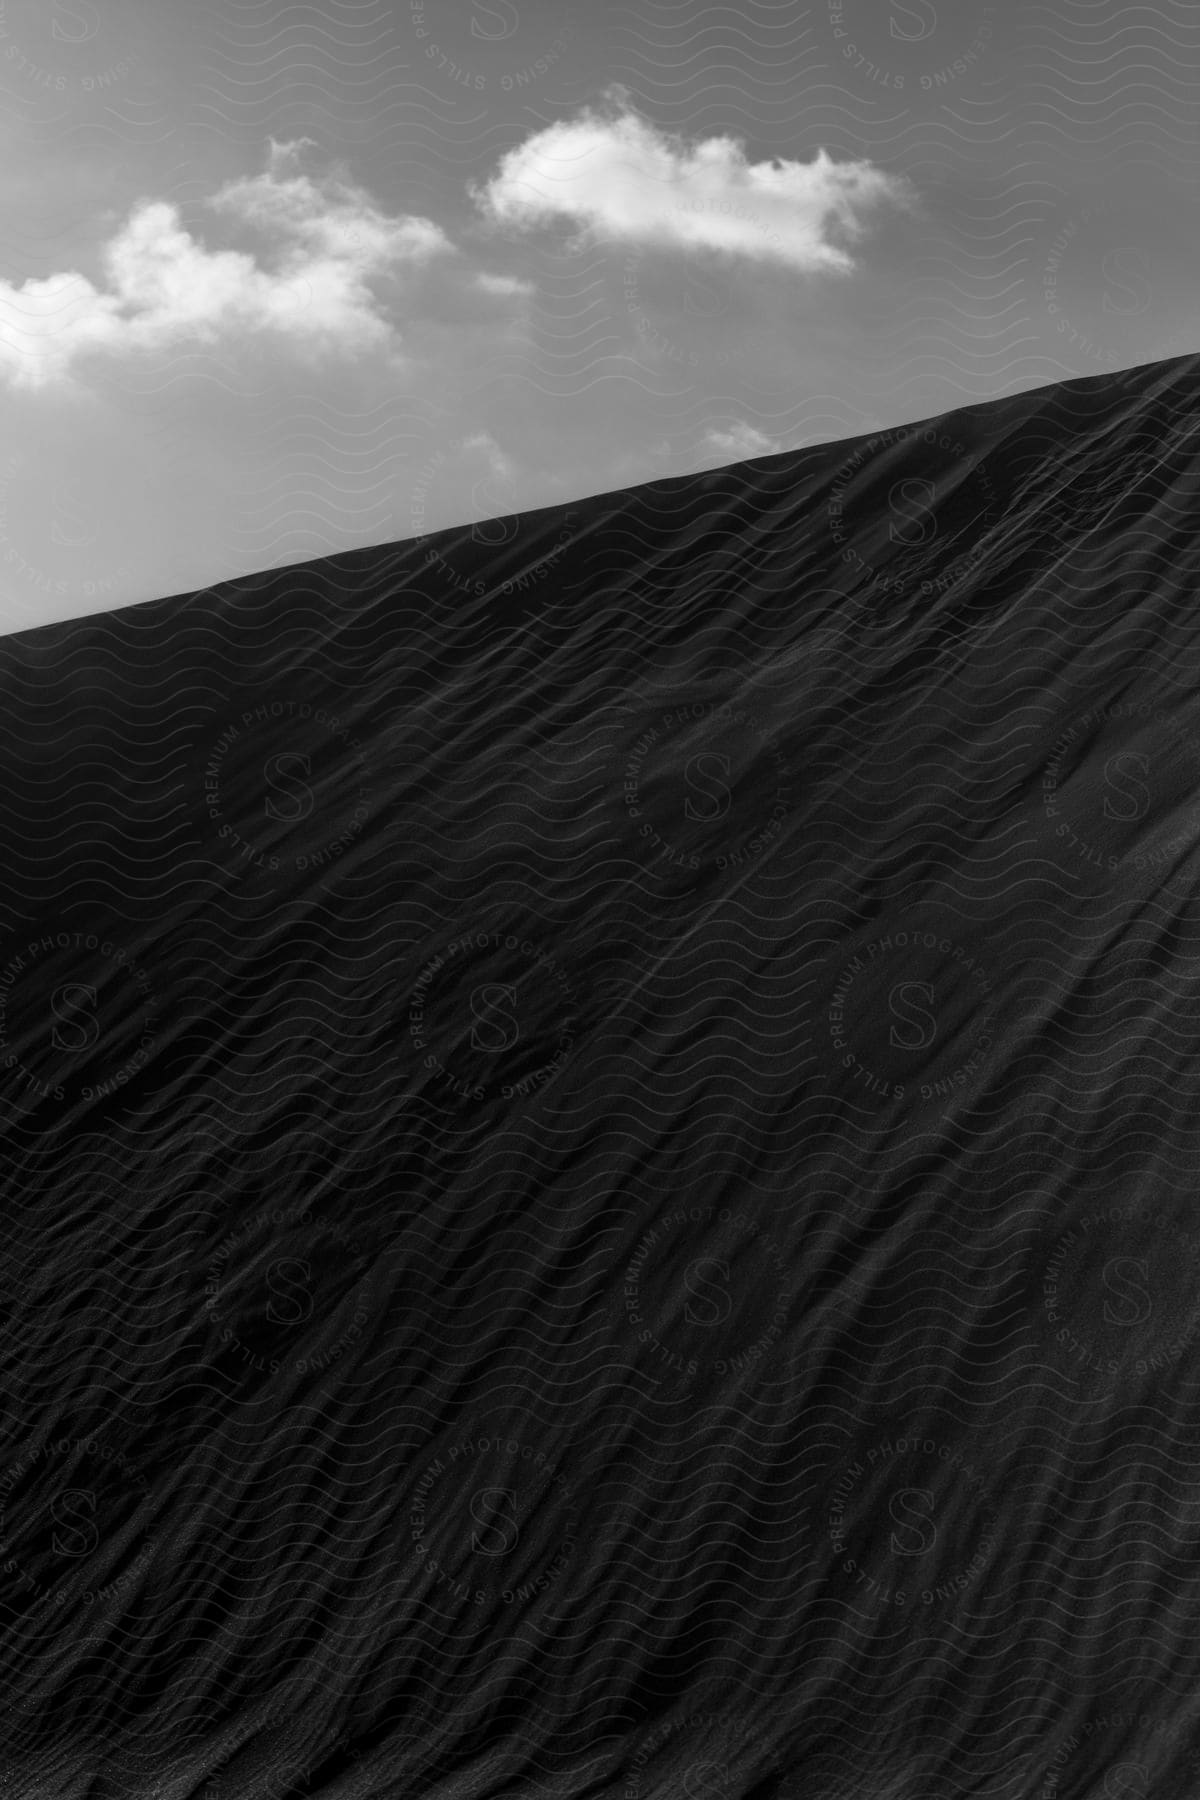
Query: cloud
x=499, y=461
x=738, y=441
x=163, y=288
x=619, y=177
x=330, y=218
x=504, y=284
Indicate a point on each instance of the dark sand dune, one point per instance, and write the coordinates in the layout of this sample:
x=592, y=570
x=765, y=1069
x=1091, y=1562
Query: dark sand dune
x=600, y=1128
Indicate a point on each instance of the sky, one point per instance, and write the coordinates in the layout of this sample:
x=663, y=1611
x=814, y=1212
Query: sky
x=280, y=279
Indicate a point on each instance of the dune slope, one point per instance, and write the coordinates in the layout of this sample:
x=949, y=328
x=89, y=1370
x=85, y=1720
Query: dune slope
x=599, y=1116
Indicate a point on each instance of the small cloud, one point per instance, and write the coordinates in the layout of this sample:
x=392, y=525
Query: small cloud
x=163, y=288
x=504, y=285
x=638, y=463
x=287, y=155
x=326, y=217
x=737, y=442
x=617, y=176
x=501, y=464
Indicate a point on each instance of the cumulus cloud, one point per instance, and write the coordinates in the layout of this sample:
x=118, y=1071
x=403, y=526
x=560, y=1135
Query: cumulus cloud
x=617, y=176
x=163, y=288
x=329, y=218
x=737, y=441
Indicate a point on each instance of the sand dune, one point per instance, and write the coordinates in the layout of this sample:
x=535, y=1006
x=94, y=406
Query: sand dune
x=600, y=1117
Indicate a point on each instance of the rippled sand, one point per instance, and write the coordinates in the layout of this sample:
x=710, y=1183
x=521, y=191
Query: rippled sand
x=599, y=1126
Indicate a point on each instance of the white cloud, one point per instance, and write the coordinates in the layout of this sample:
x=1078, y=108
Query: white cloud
x=504, y=284
x=330, y=218
x=619, y=177
x=499, y=461
x=738, y=441
x=163, y=288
